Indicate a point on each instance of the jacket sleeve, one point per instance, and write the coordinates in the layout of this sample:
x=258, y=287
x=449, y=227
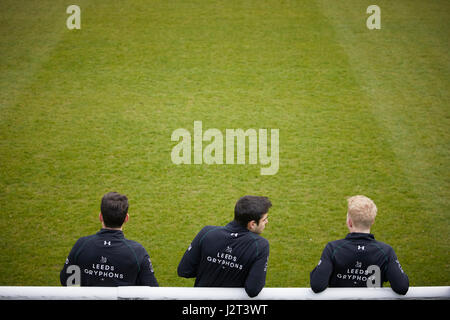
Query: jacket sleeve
x=146, y=276
x=188, y=266
x=320, y=276
x=256, y=278
x=395, y=275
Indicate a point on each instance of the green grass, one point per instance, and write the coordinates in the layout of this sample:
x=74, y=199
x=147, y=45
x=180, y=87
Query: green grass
x=88, y=111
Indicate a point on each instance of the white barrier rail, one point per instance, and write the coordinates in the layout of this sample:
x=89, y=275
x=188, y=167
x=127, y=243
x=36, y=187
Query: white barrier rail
x=183, y=293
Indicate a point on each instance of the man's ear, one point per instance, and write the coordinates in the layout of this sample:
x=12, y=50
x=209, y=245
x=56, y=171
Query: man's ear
x=100, y=217
x=349, y=222
x=127, y=217
x=251, y=225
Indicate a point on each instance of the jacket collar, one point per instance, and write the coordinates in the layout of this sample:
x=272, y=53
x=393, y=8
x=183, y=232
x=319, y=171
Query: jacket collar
x=236, y=227
x=359, y=235
x=111, y=233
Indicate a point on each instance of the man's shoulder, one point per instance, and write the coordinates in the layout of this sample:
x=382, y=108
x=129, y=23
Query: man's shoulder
x=259, y=238
x=338, y=243
x=262, y=244
x=208, y=228
x=383, y=246
x=85, y=239
x=207, y=231
x=133, y=244
x=333, y=247
x=81, y=244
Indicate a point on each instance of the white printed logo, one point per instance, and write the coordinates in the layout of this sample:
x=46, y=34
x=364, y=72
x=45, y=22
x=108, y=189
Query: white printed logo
x=234, y=234
x=150, y=266
x=360, y=247
x=399, y=266
x=106, y=243
x=266, y=265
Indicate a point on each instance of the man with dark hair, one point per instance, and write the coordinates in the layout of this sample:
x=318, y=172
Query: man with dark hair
x=107, y=258
x=234, y=255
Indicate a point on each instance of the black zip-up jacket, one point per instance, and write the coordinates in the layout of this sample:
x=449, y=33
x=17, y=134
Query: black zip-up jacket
x=108, y=259
x=344, y=263
x=229, y=256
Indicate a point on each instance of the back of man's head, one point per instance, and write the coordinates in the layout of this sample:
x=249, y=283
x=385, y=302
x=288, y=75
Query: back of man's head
x=362, y=211
x=249, y=208
x=114, y=209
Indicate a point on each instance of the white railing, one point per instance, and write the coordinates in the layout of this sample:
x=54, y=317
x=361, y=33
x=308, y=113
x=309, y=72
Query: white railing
x=183, y=293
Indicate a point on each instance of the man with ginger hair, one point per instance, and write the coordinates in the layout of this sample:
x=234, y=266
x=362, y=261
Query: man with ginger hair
x=359, y=260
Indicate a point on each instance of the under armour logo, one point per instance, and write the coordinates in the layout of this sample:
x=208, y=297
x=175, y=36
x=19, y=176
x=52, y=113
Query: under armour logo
x=106, y=243
x=234, y=235
x=360, y=247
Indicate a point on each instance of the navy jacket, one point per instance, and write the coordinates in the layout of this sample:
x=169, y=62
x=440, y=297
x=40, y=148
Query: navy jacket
x=229, y=256
x=344, y=263
x=108, y=259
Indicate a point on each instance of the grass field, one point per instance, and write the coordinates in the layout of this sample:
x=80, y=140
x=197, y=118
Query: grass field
x=359, y=111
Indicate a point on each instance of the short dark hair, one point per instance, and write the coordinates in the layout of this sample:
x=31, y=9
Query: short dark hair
x=249, y=208
x=114, y=209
